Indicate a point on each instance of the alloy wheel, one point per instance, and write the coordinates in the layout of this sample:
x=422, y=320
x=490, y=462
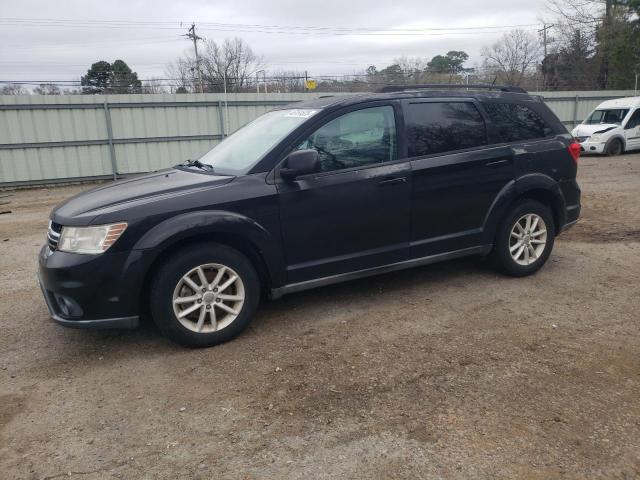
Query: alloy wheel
x=208, y=298
x=528, y=239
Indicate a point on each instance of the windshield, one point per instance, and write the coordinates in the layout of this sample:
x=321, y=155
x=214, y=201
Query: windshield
x=238, y=153
x=609, y=115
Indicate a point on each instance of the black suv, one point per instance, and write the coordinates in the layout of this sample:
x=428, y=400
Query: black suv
x=310, y=194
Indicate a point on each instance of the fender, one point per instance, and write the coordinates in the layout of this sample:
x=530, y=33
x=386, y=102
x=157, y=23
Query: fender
x=210, y=222
x=517, y=188
x=619, y=137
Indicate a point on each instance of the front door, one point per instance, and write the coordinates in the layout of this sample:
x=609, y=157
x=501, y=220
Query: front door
x=632, y=131
x=354, y=214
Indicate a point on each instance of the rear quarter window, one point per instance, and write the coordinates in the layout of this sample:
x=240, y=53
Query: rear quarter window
x=514, y=122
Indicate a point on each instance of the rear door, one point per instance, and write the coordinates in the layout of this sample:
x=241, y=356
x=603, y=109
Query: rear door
x=632, y=131
x=456, y=175
x=354, y=214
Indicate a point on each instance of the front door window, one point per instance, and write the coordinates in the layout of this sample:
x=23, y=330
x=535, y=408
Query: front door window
x=356, y=139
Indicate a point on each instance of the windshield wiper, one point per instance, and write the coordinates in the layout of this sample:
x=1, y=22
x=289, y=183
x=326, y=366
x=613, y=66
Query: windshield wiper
x=197, y=164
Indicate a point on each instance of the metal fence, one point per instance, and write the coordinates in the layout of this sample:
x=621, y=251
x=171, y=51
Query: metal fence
x=48, y=139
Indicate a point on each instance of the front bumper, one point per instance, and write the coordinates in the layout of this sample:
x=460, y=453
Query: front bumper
x=593, y=147
x=92, y=291
x=125, y=322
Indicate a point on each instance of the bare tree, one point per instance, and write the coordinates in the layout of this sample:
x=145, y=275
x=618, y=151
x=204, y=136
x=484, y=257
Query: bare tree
x=611, y=26
x=512, y=57
x=182, y=74
x=233, y=61
x=570, y=64
x=13, y=89
x=47, y=89
x=153, y=85
x=578, y=12
x=286, y=81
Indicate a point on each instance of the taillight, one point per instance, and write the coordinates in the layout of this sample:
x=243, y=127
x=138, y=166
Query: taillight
x=574, y=151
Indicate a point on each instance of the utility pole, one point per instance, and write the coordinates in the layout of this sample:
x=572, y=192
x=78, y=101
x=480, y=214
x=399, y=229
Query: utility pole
x=191, y=34
x=605, y=44
x=545, y=42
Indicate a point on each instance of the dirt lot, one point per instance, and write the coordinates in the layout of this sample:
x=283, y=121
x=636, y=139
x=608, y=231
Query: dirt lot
x=447, y=371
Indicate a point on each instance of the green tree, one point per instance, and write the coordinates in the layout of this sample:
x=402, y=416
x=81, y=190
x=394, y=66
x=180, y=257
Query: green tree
x=613, y=27
x=123, y=79
x=452, y=63
x=439, y=64
x=623, y=52
x=97, y=78
x=573, y=65
x=104, y=77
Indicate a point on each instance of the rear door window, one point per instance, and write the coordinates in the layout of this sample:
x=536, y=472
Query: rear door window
x=438, y=127
x=514, y=122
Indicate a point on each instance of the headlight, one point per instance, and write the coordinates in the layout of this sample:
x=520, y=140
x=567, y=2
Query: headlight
x=90, y=240
x=596, y=136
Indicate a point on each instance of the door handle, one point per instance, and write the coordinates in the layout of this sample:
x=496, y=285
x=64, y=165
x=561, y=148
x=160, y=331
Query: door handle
x=496, y=163
x=392, y=181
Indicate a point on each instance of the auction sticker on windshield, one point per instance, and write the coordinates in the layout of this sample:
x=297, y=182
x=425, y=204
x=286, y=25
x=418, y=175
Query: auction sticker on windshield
x=300, y=113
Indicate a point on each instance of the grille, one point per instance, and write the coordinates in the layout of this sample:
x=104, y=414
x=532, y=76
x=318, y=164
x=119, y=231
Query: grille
x=53, y=235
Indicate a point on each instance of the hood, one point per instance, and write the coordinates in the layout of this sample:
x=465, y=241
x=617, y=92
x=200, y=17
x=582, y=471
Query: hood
x=82, y=208
x=588, y=130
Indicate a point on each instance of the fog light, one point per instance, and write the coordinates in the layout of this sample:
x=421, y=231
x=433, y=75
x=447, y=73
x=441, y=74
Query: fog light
x=68, y=307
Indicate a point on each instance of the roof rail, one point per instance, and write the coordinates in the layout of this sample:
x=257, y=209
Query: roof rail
x=444, y=86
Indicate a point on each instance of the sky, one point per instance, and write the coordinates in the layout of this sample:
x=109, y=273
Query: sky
x=43, y=40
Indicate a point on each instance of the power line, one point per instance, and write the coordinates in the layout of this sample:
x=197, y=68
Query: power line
x=243, y=25
x=262, y=28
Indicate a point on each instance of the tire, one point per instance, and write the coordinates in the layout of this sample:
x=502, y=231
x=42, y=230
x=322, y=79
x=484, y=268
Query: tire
x=528, y=246
x=615, y=147
x=174, y=290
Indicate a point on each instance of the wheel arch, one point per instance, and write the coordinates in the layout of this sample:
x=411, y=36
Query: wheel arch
x=225, y=228
x=539, y=187
x=616, y=136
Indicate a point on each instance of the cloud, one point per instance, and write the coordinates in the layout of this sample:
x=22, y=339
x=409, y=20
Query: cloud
x=58, y=51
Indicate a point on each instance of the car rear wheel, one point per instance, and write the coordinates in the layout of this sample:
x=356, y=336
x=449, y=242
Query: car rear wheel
x=524, y=240
x=205, y=295
x=615, y=147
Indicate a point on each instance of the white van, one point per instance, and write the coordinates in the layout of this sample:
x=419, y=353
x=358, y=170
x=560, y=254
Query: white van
x=612, y=128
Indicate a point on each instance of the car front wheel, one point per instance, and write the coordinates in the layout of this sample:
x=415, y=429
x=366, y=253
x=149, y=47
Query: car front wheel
x=204, y=295
x=615, y=147
x=524, y=240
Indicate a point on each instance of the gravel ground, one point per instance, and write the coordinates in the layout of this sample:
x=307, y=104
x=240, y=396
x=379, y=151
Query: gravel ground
x=447, y=371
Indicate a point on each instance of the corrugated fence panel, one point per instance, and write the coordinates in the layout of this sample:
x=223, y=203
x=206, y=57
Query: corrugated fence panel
x=573, y=107
x=25, y=165
x=147, y=157
x=59, y=138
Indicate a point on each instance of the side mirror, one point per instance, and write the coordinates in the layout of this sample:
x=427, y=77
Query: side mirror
x=300, y=162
